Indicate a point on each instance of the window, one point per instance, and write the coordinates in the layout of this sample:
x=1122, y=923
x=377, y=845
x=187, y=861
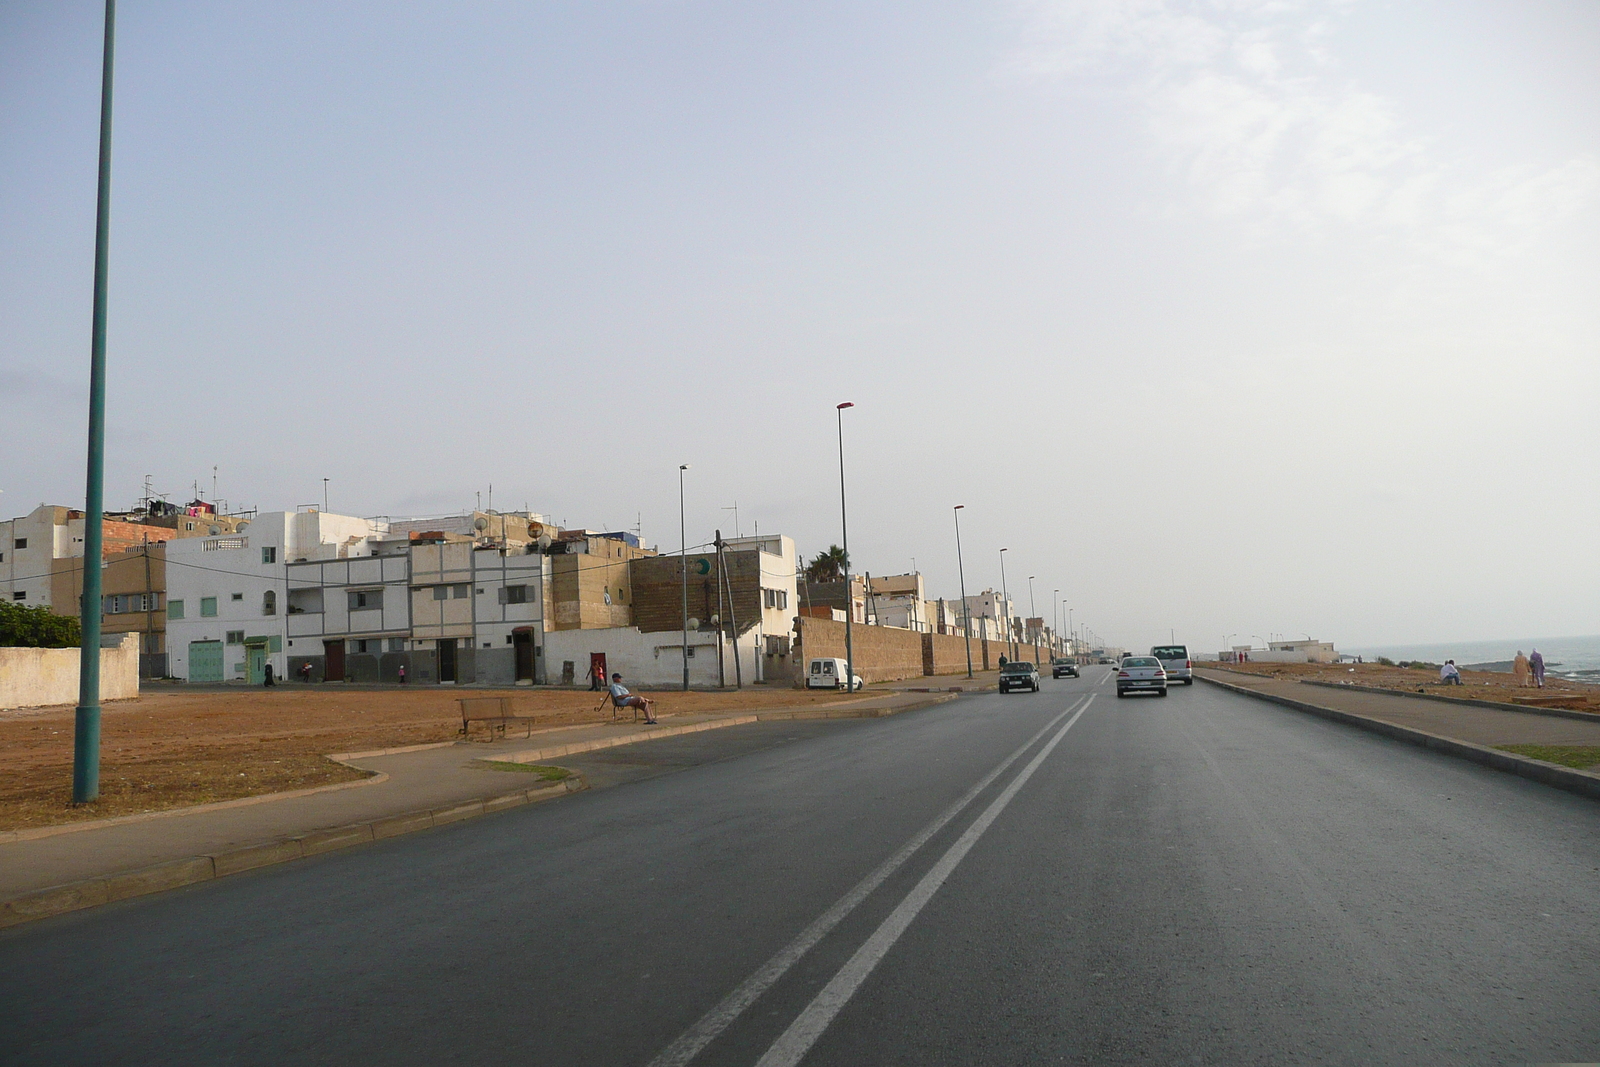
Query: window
x=397, y=644
x=775, y=598
x=441, y=592
x=365, y=599
x=188, y=526
x=208, y=607
x=364, y=645
x=269, y=555
x=235, y=637
x=221, y=544
x=514, y=594
x=459, y=592
x=2, y=557
x=113, y=605
x=174, y=609
x=238, y=596
x=19, y=595
x=269, y=602
x=21, y=542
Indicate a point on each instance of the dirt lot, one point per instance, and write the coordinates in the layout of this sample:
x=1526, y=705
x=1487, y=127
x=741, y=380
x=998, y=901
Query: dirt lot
x=176, y=746
x=1477, y=685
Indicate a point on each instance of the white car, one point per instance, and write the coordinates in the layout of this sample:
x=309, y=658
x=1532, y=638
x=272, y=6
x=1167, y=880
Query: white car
x=1175, y=661
x=829, y=673
x=1139, y=674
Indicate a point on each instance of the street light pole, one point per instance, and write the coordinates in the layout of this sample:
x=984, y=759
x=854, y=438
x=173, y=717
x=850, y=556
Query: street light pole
x=1033, y=612
x=1055, y=618
x=1007, y=597
x=844, y=534
x=966, y=609
x=86, y=722
x=683, y=535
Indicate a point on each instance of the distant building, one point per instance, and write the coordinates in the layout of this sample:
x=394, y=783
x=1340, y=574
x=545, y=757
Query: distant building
x=1315, y=651
x=41, y=554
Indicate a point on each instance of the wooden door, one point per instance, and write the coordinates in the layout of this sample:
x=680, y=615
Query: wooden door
x=333, y=661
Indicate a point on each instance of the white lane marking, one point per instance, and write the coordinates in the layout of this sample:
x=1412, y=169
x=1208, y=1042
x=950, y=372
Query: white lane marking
x=719, y=1018
x=795, y=1042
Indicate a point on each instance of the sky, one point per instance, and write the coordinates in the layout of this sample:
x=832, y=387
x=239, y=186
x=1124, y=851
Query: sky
x=1228, y=319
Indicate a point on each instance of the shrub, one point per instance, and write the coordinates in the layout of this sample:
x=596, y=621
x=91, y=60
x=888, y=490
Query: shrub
x=1385, y=661
x=35, y=627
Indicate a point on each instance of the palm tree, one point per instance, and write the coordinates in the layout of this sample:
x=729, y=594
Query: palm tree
x=829, y=566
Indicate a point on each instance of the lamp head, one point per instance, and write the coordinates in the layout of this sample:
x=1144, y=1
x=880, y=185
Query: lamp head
x=958, y=507
x=846, y=404
x=683, y=466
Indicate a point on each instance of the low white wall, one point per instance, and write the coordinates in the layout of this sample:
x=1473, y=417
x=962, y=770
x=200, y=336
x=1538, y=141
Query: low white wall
x=644, y=660
x=36, y=677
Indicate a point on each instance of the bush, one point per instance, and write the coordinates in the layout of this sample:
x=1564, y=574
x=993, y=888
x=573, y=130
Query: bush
x=1385, y=661
x=25, y=627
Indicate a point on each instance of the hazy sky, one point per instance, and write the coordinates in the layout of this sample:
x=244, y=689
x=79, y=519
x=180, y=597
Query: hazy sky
x=1227, y=317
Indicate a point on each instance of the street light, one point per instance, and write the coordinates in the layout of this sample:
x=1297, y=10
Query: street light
x=1007, y=597
x=844, y=534
x=1055, y=616
x=1033, y=613
x=966, y=609
x=683, y=535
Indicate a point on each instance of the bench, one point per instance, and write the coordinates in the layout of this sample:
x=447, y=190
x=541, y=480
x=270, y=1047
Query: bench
x=496, y=710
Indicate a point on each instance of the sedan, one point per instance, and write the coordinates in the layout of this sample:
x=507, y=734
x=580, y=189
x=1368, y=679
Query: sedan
x=1019, y=674
x=1063, y=668
x=1141, y=673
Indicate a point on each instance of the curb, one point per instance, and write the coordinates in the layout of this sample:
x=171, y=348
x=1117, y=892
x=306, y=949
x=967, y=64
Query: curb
x=1498, y=705
x=1583, y=783
x=92, y=892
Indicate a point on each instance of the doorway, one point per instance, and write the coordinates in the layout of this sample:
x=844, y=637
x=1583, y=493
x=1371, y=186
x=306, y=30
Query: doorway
x=447, y=659
x=333, y=661
x=597, y=669
x=522, y=648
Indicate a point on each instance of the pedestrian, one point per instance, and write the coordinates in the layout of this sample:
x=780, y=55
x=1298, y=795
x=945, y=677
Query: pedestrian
x=597, y=677
x=623, y=699
x=1536, y=666
x=266, y=675
x=305, y=672
x=1449, y=674
x=402, y=674
x=1519, y=667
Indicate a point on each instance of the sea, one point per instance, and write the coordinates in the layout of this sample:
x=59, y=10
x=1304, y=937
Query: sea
x=1577, y=658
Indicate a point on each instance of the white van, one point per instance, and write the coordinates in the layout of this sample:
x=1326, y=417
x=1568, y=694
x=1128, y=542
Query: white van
x=1176, y=662
x=829, y=674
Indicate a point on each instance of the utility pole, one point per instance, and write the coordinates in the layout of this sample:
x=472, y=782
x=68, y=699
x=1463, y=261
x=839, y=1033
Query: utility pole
x=683, y=555
x=1033, y=613
x=733, y=616
x=722, y=672
x=86, y=721
x=1007, y=597
x=844, y=533
x=966, y=609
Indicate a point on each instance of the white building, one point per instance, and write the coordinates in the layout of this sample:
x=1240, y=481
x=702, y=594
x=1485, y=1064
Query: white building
x=227, y=597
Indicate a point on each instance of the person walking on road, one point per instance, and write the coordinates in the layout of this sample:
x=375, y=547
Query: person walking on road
x=1519, y=667
x=1536, y=666
x=623, y=699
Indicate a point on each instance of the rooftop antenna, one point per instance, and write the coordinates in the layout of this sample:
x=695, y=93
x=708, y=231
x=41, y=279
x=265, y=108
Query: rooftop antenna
x=491, y=496
x=477, y=494
x=735, y=510
x=324, y=496
x=213, y=482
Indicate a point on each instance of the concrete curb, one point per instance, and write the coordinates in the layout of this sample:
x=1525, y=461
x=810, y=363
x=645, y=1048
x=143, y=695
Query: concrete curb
x=194, y=809
x=1498, y=705
x=1582, y=783
x=91, y=892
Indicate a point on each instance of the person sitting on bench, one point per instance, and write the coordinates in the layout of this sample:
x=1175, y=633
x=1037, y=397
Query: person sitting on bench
x=623, y=699
x=1448, y=674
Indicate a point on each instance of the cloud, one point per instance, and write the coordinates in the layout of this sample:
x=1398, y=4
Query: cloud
x=1246, y=101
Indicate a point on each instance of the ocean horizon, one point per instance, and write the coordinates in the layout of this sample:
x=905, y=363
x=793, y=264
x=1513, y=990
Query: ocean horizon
x=1577, y=658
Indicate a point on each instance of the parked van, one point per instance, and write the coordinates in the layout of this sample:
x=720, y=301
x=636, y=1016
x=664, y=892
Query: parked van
x=1176, y=662
x=829, y=674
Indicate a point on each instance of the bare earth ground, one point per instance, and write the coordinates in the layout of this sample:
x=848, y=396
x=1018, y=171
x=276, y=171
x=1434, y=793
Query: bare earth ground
x=173, y=747
x=1477, y=685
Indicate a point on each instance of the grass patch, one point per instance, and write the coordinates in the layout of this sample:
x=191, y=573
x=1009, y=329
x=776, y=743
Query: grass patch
x=1582, y=757
x=546, y=774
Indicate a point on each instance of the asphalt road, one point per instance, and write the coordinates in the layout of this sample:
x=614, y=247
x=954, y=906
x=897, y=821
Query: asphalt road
x=999, y=880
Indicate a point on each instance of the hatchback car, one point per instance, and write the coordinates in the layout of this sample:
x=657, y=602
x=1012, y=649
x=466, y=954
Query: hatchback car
x=1141, y=674
x=1019, y=674
x=1063, y=668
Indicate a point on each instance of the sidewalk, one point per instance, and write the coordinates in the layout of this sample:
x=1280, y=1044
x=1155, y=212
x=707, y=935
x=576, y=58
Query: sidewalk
x=1470, y=731
x=57, y=869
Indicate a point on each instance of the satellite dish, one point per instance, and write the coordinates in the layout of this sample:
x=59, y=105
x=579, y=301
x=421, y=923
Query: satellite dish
x=243, y=526
x=215, y=530
x=694, y=624
x=545, y=541
x=480, y=524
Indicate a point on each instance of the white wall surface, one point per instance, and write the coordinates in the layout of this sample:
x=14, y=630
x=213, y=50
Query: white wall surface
x=37, y=677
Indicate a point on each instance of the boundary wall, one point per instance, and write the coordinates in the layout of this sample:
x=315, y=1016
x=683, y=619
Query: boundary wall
x=37, y=677
x=887, y=654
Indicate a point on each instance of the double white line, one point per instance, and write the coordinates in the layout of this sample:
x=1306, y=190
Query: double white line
x=797, y=1040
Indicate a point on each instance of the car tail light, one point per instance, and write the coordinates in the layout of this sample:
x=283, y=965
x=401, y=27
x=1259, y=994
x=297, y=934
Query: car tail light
x=1122, y=674
x=1188, y=665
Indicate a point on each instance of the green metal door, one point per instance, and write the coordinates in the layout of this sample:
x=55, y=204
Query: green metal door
x=255, y=658
x=205, y=661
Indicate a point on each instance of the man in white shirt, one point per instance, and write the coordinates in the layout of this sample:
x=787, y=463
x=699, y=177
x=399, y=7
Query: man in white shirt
x=1448, y=675
x=623, y=699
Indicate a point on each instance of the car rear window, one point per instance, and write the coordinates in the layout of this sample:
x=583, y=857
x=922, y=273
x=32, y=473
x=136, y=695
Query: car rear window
x=1017, y=666
x=1141, y=661
x=1170, y=652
